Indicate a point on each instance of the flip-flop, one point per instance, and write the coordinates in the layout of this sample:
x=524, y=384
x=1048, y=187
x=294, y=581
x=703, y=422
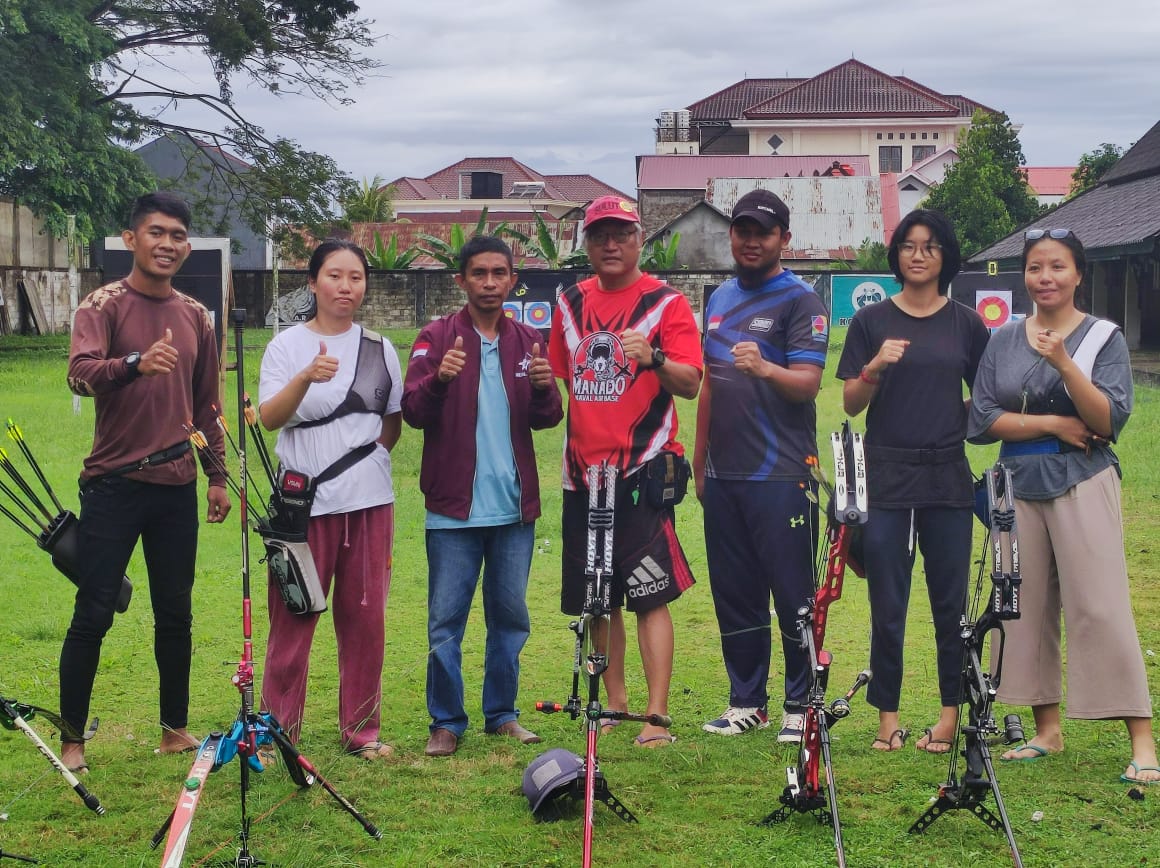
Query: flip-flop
x=189, y=748
x=655, y=741
x=1139, y=768
x=930, y=739
x=82, y=769
x=606, y=726
x=1038, y=753
x=372, y=751
x=901, y=734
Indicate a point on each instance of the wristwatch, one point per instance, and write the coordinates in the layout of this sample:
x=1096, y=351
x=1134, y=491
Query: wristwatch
x=658, y=359
x=132, y=361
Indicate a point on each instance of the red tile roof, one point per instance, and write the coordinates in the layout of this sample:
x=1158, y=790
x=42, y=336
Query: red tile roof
x=965, y=106
x=681, y=172
x=853, y=89
x=1049, y=180
x=454, y=182
x=732, y=101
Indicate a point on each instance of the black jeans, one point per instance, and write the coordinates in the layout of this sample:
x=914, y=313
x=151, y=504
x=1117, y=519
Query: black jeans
x=115, y=513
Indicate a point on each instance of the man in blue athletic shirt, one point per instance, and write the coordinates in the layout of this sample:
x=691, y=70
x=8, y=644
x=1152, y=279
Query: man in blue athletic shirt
x=766, y=333
x=477, y=385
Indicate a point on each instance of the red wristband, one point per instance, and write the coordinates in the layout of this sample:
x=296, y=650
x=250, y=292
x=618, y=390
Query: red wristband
x=873, y=381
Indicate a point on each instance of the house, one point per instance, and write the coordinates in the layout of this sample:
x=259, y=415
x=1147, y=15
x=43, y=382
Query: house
x=1118, y=222
x=200, y=171
x=1050, y=184
x=503, y=185
x=893, y=121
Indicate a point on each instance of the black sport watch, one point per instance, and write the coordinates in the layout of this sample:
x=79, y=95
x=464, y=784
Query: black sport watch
x=131, y=362
x=658, y=359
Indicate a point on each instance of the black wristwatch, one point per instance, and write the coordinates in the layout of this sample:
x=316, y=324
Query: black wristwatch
x=658, y=359
x=131, y=362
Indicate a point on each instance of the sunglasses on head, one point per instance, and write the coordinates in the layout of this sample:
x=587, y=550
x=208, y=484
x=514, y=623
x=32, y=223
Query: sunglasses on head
x=1036, y=234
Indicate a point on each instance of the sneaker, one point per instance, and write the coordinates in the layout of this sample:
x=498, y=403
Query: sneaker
x=734, y=721
x=793, y=727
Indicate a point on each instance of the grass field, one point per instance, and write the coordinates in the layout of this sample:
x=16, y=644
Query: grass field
x=698, y=802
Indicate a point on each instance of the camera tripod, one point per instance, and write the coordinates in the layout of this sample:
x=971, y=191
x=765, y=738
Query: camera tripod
x=250, y=729
x=597, y=608
x=846, y=511
x=979, y=687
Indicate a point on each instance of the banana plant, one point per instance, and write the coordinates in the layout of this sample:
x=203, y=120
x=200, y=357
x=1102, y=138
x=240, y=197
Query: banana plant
x=387, y=256
x=658, y=256
x=446, y=253
x=546, y=245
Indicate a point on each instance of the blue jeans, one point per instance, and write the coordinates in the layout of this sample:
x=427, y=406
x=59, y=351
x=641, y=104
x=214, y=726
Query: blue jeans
x=454, y=558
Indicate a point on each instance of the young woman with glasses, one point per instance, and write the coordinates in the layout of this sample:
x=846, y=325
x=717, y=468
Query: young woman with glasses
x=905, y=362
x=1056, y=389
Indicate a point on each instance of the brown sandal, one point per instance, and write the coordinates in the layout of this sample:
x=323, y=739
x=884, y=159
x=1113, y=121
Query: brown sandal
x=901, y=734
x=372, y=751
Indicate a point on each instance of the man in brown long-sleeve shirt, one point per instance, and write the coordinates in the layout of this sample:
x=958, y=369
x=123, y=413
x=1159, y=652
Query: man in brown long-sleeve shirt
x=148, y=355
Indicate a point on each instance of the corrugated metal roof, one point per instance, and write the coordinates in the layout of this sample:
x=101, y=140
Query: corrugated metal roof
x=683, y=172
x=853, y=89
x=825, y=214
x=1049, y=180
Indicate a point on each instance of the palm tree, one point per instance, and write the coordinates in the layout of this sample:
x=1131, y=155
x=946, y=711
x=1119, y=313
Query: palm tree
x=369, y=202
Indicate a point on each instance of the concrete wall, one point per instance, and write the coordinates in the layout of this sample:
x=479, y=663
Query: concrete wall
x=24, y=242
x=658, y=207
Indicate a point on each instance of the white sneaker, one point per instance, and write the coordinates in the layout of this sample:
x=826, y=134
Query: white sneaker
x=793, y=727
x=734, y=721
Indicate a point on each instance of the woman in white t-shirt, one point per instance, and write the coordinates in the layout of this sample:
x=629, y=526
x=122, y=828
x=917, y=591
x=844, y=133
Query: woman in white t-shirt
x=334, y=388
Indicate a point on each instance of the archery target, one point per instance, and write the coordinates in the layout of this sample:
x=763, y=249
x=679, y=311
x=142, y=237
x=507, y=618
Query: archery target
x=514, y=310
x=538, y=314
x=994, y=306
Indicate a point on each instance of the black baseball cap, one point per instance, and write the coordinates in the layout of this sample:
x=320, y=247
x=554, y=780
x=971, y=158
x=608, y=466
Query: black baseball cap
x=764, y=207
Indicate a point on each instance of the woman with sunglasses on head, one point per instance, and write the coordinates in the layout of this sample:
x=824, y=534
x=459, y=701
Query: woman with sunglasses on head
x=905, y=362
x=1056, y=389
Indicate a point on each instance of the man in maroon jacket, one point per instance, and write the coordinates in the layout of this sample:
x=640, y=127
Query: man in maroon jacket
x=148, y=356
x=478, y=384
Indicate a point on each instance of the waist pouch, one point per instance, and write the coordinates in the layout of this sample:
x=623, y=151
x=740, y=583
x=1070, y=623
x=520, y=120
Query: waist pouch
x=664, y=480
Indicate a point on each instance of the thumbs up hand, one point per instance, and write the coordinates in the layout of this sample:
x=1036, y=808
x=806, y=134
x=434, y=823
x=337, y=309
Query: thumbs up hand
x=539, y=369
x=322, y=367
x=453, y=361
x=160, y=358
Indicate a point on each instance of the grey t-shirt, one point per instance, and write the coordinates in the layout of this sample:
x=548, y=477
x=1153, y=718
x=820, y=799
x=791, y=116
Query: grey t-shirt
x=1011, y=371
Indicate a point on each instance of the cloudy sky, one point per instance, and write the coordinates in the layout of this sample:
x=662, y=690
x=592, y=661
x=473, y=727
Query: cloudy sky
x=576, y=85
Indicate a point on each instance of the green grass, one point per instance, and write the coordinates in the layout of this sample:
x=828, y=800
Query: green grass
x=698, y=802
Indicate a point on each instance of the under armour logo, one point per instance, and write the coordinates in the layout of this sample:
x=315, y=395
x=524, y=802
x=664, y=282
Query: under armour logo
x=797, y=522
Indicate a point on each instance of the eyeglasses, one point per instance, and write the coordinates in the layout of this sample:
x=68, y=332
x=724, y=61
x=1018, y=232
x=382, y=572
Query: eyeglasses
x=910, y=248
x=1036, y=234
x=620, y=235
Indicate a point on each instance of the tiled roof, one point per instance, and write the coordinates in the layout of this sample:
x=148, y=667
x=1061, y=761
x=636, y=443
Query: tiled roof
x=1049, y=180
x=853, y=89
x=1122, y=211
x=454, y=182
x=1143, y=158
x=732, y=101
x=681, y=172
x=965, y=106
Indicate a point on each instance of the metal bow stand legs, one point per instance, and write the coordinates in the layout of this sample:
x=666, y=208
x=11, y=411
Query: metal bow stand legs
x=597, y=608
x=251, y=729
x=979, y=686
x=847, y=510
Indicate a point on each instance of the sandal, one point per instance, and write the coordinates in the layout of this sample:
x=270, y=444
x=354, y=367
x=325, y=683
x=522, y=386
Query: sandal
x=901, y=734
x=608, y=725
x=930, y=740
x=372, y=751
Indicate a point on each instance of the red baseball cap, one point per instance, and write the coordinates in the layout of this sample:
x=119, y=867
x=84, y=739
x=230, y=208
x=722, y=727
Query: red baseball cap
x=610, y=208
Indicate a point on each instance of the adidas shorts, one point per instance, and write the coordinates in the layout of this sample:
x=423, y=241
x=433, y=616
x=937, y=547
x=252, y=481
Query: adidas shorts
x=649, y=568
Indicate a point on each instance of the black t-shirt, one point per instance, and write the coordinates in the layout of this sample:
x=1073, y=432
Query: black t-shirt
x=918, y=404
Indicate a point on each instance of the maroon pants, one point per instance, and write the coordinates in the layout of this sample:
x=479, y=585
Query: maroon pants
x=352, y=550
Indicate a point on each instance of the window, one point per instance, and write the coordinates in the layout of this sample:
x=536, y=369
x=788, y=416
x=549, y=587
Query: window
x=890, y=136
x=879, y=135
x=918, y=153
x=936, y=137
x=924, y=135
x=914, y=136
x=890, y=158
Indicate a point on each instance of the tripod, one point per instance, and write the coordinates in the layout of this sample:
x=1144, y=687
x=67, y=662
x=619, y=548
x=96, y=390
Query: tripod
x=597, y=607
x=846, y=511
x=250, y=730
x=979, y=686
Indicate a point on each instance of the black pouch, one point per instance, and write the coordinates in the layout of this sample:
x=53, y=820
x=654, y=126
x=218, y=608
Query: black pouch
x=664, y=481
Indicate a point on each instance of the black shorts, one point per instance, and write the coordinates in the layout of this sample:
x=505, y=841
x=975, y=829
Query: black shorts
x=648, y=565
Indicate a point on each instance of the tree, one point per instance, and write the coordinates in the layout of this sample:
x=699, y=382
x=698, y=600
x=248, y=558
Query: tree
x=658, y=256
x=985, y=194
x=75, y=97
x=871, y=257
x=1092, y=166
x=369, y=202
